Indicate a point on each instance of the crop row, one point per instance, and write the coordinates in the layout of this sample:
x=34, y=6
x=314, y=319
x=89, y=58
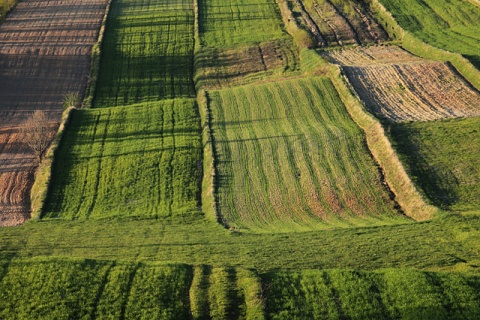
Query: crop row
x=140, y=161
x=290, y=158
x=84, y=289
x=147, y=52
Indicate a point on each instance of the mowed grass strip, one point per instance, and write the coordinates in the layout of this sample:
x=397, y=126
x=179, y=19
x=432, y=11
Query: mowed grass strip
x=81, y=289
x=385, y=294
x=451, y=25
x=224, y=23
x=443, y=159
x=290, y=158
x=137, y=161
x=147, y=53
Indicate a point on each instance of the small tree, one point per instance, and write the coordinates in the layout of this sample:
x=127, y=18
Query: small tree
x=71, y=99
x=38, y=133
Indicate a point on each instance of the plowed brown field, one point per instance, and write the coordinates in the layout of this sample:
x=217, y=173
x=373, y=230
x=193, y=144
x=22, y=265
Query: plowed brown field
x=398, y=86
x=45, y=49
x=338, y=23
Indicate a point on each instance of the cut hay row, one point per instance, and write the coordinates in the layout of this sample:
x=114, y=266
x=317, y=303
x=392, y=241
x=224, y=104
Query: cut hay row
x=290, y=158
x=80, y=289
x=148, y=52
x=338, y=22
x=138, y=161
x=450, y=25
x=442, y=157
x=225, y=23
x=45, y=51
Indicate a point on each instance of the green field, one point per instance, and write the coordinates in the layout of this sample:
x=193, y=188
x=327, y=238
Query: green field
x=290, y=158
x=56, y=289
x=81, y=289
x=385, y=294
x=443, y=158
x=231, y=22
x=451, y=25
x=136, y=161
x=147, y=53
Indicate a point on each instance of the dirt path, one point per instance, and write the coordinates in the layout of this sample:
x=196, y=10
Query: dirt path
x=45, y=51
x=398, y=86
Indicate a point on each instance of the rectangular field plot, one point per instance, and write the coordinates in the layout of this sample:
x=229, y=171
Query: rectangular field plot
x=147, y=52
x=88, y=289
x=138, y=161
x=290, y=158
x=443, y=157
x=232, y=22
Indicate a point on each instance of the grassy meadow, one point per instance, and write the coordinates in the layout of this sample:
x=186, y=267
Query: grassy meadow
x=451, y=25
x=290, y=158
x=443, y=159
x=147, y=53
x=135, y=161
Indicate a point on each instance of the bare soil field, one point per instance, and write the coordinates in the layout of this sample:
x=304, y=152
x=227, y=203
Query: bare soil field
x=218, y=68
x=45, y=49
x=338, y=23
x=398, y=86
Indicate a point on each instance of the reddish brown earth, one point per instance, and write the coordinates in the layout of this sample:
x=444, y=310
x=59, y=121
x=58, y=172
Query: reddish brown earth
x=45, y=49
x=398, y=86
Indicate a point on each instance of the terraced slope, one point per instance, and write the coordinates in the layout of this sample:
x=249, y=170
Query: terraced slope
x=136, y=161
x=451, y=25
x=337, y=22
x=443, y=157
x=400, y=87
x=148, y=50
x=45, y=52
x=290, y=158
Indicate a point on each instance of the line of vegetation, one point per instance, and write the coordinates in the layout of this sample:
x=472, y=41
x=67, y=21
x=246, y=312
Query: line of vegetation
x=95, y=61
x=148, y=53
x=290, y=158
x=135, y=161
x=43, y=174
x=442, y=157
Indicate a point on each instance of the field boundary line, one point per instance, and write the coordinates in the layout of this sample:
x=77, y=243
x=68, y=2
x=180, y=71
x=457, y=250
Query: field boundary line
x=209, y=185
x=396, y=177
x=418, y=47
x=95, y=61
x=43, y=174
